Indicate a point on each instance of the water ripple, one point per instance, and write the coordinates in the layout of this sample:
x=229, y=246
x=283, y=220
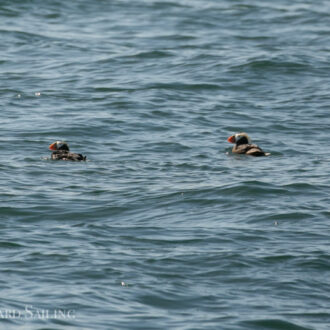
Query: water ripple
x=163, y=226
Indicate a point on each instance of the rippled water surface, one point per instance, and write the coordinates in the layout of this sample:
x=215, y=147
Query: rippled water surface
x=163, y=227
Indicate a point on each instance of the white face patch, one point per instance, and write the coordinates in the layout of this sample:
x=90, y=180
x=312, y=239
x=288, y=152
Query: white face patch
x=239, y=136
x=60, y=144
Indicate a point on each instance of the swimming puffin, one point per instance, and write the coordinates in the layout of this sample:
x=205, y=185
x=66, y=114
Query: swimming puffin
x=243, y=145
x=61, y=151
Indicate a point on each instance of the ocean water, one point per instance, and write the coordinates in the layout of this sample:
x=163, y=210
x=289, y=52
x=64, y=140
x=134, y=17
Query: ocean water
x=163, y=227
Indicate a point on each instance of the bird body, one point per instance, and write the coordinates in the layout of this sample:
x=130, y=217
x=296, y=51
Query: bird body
x=243, y=145
x=61, y=151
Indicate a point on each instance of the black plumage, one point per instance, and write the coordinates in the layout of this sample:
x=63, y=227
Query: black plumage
x=61, y=151
x=243, y=145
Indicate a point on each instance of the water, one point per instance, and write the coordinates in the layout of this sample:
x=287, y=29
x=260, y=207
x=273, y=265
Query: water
x=162, y=227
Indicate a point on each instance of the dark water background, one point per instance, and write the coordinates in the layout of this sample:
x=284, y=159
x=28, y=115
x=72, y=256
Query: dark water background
x=163, y=228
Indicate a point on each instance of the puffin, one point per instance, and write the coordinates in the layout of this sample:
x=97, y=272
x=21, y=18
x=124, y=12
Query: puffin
x=243, y=145
x=61, y=151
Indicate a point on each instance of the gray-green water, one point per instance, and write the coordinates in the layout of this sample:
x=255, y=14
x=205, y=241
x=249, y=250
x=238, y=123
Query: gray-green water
x=163, y=228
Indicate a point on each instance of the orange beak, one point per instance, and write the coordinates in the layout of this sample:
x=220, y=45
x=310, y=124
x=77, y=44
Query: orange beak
x=52, y=146
x=231, y=139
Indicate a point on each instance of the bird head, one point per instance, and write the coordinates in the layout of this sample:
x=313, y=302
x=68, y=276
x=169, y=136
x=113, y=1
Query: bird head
x=59, y=145
x=239, y=138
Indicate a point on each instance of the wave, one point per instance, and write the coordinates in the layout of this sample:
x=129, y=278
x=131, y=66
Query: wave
x=273, y=323
x=272, y=65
